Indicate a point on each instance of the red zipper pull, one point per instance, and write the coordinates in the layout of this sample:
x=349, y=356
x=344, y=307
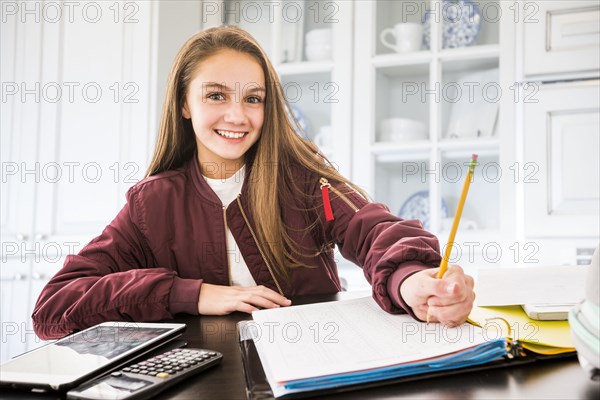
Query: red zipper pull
x=326, y=202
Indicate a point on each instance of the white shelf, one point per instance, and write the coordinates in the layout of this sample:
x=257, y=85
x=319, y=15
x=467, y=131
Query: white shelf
x=468, y=235
x=412, y=85
x=390, y=152
x=470, y=53
x=400, y=147
x=466, y=144
x=305, y=68
x=483, y=52
x=396, y=60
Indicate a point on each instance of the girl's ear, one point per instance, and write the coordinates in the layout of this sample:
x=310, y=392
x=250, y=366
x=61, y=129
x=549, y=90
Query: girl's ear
x=185, y=112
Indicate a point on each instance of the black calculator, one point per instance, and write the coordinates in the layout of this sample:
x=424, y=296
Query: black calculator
x=144, y=379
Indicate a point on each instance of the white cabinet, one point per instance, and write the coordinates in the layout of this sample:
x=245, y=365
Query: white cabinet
x=562, y=142
x=559, y=124
x=18, y=126
x=93, y=148
x=462, y=97
x=558, y=32
x=75, y=138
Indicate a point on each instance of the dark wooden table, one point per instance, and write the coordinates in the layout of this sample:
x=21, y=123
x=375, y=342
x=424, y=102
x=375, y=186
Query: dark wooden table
x=556, y=379
x=551, y=379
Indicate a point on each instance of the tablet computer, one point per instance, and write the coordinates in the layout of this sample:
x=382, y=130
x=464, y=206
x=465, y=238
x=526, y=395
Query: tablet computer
x=69, y=361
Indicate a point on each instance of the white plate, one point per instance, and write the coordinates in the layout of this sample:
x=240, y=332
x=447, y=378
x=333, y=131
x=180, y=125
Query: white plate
x=474, y=114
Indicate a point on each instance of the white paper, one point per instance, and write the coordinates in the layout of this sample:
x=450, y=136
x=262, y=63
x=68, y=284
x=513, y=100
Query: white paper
x=530, y=285
x=351, y=335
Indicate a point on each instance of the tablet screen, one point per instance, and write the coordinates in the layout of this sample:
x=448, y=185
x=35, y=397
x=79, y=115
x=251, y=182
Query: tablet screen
x=79, y=354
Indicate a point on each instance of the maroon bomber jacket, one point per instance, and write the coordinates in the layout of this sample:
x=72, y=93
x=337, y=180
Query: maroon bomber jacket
x=150, y=262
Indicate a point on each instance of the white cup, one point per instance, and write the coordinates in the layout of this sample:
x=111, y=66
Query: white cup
x=319, y=45
x=321, y=35
x=318, y=52
x=399, y=129
x=408, y=37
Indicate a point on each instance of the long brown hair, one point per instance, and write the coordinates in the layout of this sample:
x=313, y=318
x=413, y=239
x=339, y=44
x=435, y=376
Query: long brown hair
x=273, y=157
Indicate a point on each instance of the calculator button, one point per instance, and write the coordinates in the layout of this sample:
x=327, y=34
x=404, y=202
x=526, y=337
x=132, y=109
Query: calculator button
x=135, y=371
x=116, y=373
x=162, y=375
x=127, y=369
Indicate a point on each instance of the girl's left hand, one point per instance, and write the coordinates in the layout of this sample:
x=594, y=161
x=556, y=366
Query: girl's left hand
x=448, y=300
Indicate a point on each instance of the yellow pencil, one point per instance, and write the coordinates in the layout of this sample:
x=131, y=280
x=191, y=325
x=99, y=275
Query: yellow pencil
x=459, y=209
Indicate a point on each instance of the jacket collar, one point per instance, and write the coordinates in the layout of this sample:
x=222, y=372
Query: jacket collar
x=202, y=186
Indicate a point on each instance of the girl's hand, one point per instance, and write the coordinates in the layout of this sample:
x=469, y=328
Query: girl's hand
x=222, y=300
x=448, y=300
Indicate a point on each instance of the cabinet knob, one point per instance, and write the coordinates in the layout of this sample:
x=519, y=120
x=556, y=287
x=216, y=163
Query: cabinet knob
x=18, y=277
x=40, y=236
x=22, y=237
x=37, y=276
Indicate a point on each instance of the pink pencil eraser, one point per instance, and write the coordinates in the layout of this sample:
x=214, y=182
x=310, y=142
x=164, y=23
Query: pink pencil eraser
x=474, y=157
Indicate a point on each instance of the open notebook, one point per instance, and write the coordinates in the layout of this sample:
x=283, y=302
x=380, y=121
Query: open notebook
x=328, y=345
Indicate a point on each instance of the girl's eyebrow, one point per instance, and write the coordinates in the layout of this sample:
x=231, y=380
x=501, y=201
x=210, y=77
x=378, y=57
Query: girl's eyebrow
x=220, y=86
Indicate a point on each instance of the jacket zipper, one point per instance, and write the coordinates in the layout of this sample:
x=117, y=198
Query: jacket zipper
x=258, y=245
x=325, y=184
x=226, y=253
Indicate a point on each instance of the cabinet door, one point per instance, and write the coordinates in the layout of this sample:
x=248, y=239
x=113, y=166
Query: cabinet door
x=561, y=180
x=559, y=32
x=19, y=291
x=14, y=296
x=19, y=72
x=94, y=141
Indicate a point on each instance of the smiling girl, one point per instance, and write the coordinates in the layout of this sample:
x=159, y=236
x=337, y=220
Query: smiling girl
x=238, y=212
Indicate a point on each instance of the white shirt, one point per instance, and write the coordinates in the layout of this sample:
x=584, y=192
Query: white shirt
x=227, y=190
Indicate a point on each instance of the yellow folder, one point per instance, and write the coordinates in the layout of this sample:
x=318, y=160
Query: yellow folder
x=542, y=337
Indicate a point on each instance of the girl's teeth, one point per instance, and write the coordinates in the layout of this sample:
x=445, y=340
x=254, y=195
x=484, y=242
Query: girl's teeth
x=231, y=135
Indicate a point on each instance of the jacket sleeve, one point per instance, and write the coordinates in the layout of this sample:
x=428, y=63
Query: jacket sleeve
x=113, y=278
x=388, y=248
